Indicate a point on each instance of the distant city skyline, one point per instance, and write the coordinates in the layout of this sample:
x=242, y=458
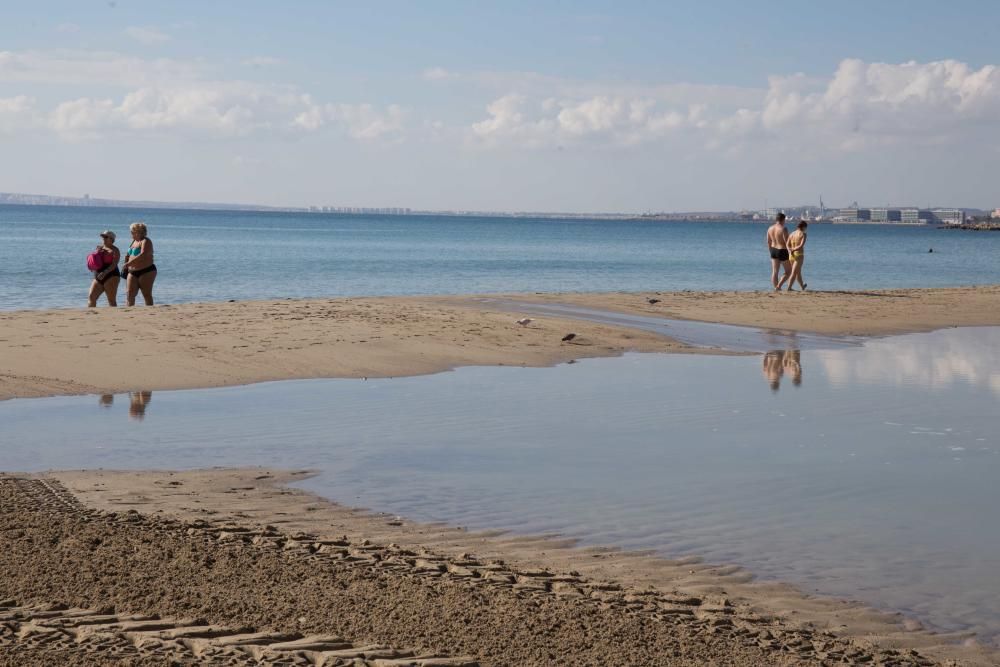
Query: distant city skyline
x=814, y=211
x=595, y=106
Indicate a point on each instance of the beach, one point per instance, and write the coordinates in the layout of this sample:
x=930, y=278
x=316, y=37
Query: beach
x=231, y=567
x=79, y=351
x=237, y=565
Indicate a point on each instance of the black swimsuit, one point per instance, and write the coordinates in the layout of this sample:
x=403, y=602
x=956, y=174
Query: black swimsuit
x=780, y=254
x=114, y=273
x=141, y=272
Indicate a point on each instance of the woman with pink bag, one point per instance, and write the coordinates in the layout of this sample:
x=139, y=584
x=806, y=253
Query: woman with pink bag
x=103, y=262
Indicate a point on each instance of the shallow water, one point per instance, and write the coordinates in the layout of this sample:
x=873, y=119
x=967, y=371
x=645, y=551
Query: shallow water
x=221, y=255
x=868, y=472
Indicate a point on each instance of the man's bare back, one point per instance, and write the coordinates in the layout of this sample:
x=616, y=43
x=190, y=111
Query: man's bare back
x=777, y=236
x=777, y=247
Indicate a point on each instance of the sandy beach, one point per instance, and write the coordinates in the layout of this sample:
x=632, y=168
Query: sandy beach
x=234, y=567
x=80, y=351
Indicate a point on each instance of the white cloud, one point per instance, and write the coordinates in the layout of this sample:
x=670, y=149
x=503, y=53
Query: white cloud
x=360, y=121
x=865, y=104
x=860, y=105
x=438, y=74
x=147, y=35
x=602, y=119
x=163, y=95
x=16, y=112
x=224, y=109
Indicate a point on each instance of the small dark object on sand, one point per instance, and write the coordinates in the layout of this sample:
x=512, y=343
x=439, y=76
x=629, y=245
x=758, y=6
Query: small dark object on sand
x=652, y=301
x=568, y=337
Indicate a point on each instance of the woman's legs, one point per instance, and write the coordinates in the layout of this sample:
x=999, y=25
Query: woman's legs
x=131, y=289
x=111, y=290
x=796, y=268
x=798, y=271
x=146, y=285
x=95, y=291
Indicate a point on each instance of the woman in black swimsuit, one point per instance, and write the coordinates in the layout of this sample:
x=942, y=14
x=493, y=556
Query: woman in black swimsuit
x=139, y=266
x=106, y=281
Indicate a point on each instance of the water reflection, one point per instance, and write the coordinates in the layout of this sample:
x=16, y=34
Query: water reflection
x=878, y=483
x=138, y=402
x=106, y=400
x=969, y=356
x=778, y=363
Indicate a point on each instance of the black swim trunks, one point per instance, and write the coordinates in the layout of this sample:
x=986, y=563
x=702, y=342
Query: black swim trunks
x=780, y=254
x=110, y=274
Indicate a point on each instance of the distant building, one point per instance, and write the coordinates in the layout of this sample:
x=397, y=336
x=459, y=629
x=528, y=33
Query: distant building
x=995, y=213
x=855, y=214
x=886, y=215
x=910, y=215
x=948, y=216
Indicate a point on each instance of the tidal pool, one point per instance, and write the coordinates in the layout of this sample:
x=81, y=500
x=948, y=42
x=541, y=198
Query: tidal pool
x=866, y=471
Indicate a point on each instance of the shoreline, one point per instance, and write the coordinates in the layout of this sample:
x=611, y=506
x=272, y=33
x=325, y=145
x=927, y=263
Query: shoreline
x=711, y=611
x=202, y=345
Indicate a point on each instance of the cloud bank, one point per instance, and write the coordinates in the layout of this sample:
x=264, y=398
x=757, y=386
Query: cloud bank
x=858, y=106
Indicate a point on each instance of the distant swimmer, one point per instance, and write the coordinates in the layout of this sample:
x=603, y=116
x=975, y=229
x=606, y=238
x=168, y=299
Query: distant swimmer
x=777, y=246
x=930, y=250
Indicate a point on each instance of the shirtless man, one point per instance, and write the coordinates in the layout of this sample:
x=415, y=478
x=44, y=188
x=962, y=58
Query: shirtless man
x=777, y=245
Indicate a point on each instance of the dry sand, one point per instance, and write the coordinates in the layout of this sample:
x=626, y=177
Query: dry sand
x=230, y=567
x=80, y=351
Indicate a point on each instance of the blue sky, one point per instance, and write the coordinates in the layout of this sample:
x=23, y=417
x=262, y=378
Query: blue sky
x=580, y=106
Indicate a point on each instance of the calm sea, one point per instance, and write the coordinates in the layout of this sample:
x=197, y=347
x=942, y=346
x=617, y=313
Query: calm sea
x=221, y=255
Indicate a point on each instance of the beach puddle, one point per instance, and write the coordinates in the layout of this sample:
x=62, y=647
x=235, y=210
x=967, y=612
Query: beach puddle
x=863, y=471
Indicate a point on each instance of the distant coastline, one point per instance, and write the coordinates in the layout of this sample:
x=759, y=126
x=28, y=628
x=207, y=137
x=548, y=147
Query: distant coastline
x=86, y=201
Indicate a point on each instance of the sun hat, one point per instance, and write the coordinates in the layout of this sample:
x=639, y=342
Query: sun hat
x=108, y=232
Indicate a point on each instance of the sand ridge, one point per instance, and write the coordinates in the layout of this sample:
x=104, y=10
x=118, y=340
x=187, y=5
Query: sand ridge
x=290, y=594
x=81, y=351
x=106, y=350
x=843, y=312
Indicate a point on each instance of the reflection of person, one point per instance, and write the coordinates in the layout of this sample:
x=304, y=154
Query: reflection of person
x=107, y=400
x=777, y=246
x=774, y=368
x=106, y=280
x=797, y=251
x=793, y=366
x=139, y=266
x=779, y=362
x=139, y=401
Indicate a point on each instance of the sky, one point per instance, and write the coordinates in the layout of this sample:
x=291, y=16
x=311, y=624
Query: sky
x=504, y=106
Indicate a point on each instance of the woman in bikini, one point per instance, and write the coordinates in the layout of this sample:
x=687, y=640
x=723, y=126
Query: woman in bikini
x=139, y=266
x=797, y=253
x=106, y=280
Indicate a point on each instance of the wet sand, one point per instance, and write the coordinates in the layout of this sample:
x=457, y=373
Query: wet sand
x=232, y=567
x=854, y=313
x=80, y=351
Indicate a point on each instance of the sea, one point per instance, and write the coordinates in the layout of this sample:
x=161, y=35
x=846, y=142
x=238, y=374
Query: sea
x=221, y=255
